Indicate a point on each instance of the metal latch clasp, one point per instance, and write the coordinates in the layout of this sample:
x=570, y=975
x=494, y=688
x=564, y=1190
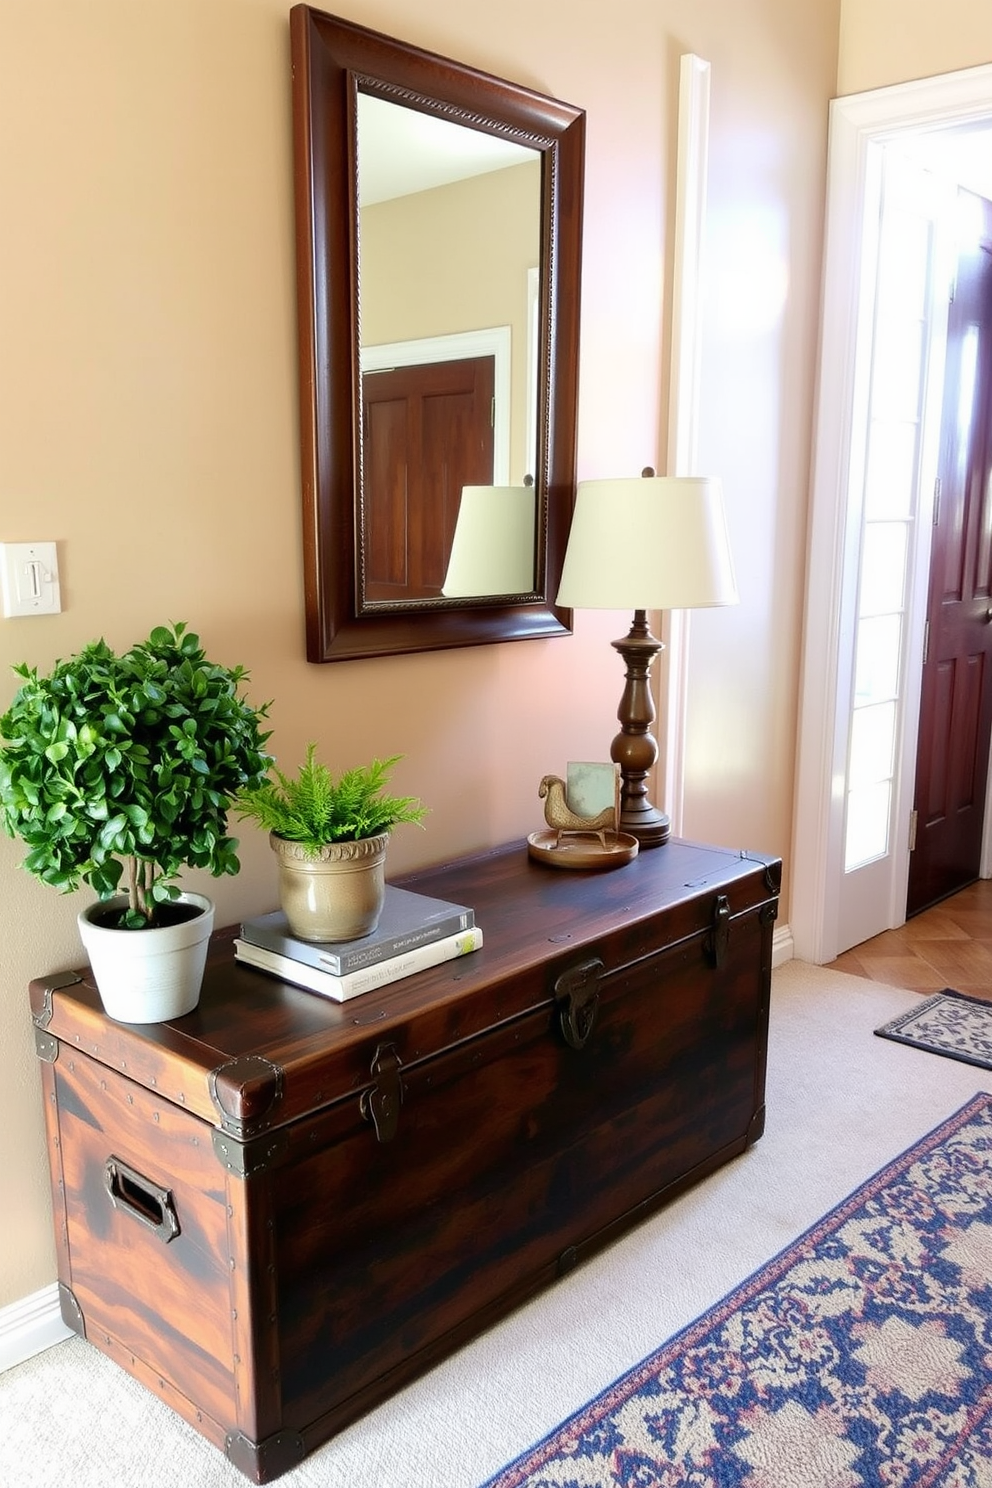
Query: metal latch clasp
x=577, y=996
x=381, y=1104
x=718, y=935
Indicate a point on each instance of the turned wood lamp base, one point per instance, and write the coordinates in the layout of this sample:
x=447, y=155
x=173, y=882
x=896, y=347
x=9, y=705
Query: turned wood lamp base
x=635, y=748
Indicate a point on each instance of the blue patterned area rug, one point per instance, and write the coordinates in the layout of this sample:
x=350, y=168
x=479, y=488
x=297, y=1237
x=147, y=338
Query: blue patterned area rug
x=948, y=1023
x=860, y=1357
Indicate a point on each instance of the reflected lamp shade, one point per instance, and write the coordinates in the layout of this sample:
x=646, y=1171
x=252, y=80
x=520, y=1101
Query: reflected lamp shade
x=648, y=543
x=492, y=551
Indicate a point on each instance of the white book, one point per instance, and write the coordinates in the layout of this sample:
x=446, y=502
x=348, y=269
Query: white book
x=354, y=983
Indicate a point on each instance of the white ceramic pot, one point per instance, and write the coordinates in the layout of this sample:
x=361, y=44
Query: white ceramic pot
x=148, y=976
x=337, y=894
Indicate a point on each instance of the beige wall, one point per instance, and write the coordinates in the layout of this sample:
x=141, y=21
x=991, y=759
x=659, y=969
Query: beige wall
x=451, y=259
x=895, y=41
x=148, y=411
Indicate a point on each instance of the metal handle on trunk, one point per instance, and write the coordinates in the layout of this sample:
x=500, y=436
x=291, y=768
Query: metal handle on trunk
x=145, y=1201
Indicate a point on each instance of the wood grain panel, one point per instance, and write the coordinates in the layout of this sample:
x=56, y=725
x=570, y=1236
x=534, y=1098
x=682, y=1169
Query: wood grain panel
x=507, y=1155
x=164, y=1302
x=428, y=431
x=965, y=730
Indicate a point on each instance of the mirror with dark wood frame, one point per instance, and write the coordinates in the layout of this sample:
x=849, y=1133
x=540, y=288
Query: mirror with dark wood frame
x=396, y=477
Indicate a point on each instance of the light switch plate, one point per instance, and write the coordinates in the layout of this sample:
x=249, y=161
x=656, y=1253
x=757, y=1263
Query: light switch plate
x=29, y=573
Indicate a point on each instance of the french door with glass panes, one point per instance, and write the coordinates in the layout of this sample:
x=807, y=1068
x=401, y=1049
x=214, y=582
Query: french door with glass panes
x=890, y=505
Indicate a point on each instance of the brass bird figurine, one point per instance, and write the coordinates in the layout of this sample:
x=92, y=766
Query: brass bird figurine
x=562, y=819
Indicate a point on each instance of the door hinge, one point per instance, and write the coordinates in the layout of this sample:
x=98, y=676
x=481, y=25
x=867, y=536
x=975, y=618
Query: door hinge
x=926, y=641
x=913, y=819
x=936, y=501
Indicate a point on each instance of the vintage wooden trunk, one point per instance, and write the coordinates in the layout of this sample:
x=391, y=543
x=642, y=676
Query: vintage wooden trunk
x=276, y=1210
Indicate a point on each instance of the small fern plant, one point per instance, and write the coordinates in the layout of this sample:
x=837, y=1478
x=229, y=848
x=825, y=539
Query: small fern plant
x=315, y=810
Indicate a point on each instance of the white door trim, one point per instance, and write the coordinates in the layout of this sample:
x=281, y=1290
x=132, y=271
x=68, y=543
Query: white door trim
x=683, y=405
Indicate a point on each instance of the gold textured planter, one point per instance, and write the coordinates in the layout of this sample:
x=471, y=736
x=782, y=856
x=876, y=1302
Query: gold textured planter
x=335, y=895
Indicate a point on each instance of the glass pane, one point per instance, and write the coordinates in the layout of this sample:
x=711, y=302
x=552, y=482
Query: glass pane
x=867, y=825
x=876, y=671
x=895, y=381
x=891, y=477
x=903, y=261
x=883, y=568
x=872, y=739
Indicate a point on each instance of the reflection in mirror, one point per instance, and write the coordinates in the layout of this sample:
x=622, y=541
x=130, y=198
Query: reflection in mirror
x=493, y=547
x=450, y=236
x=492, y=343
x=438, y=338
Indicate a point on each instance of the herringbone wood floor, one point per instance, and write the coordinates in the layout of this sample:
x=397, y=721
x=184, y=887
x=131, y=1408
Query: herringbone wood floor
x=947, y=946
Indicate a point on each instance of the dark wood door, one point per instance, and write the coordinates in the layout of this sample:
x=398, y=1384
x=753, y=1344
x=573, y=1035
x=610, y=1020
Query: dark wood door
x=427, y=432
x=956, y=702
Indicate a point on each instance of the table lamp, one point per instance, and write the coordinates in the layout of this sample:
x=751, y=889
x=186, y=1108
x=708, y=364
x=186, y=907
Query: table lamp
x=653, y=543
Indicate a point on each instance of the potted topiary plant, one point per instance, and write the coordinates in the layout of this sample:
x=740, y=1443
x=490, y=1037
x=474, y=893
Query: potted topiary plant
x=118, y=771
x=330, y=837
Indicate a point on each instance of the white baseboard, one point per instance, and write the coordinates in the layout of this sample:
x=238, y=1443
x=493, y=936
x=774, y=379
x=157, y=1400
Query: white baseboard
x=783, y=946
x=31, y=1325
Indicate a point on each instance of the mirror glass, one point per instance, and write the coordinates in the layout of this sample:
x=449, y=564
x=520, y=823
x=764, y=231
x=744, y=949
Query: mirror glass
x=450, y=244
x=439, y=238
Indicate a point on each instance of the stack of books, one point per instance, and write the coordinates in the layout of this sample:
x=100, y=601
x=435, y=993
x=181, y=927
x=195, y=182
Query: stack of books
x=414, y=932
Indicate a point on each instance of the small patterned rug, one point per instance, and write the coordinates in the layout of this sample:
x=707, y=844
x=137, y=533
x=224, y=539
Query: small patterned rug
x=949, y=1023
x=860, y=1357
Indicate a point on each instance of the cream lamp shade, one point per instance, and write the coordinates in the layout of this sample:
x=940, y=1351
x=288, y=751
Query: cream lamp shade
x=648, y=543
x=492, y=551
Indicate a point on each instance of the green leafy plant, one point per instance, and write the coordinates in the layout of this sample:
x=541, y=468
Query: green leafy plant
x=125, y=766
x=314, y=809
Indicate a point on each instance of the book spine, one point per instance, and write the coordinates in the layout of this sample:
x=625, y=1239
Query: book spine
x=356, y=958
x=342, y=988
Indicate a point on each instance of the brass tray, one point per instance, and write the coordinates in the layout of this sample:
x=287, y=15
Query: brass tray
x=581, y=850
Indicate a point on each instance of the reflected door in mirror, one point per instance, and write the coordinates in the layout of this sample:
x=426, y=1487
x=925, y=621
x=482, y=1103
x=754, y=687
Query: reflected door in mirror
x=427, y=432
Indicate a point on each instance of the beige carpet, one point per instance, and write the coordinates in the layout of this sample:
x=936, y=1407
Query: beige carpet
x=840, y=1104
